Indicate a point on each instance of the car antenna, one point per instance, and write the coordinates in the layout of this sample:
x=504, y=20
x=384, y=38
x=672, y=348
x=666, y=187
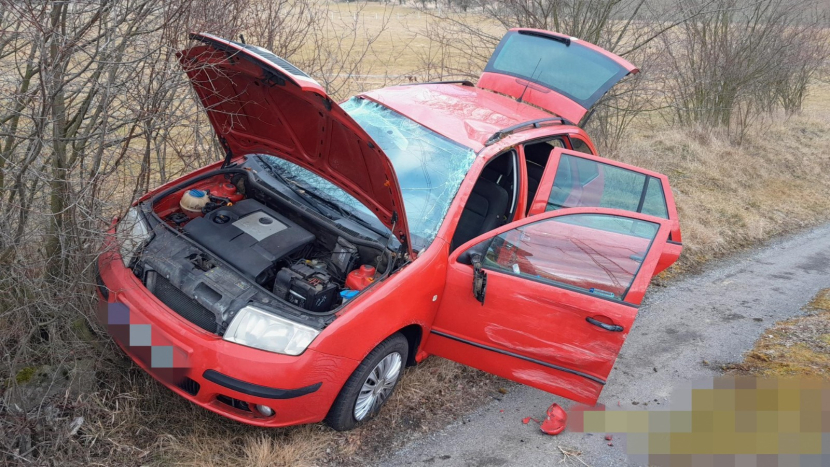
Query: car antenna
x=531, y=77
x=242, y=39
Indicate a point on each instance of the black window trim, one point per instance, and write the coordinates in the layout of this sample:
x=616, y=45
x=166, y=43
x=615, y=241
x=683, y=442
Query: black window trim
x=570, y=141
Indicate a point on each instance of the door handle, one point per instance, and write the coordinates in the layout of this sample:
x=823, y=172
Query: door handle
x=607, y=327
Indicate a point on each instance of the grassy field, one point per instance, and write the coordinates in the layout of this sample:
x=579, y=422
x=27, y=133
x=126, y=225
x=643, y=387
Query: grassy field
x=730, y=196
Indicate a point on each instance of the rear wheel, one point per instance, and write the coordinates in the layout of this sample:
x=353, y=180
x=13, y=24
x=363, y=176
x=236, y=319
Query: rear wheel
x=370, y=385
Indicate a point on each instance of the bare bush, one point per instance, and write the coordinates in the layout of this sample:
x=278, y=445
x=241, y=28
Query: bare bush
x=94, y=111
x=742, y=58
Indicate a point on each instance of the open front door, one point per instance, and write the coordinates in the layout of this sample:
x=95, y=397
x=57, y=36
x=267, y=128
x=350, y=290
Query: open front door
x=548, y=301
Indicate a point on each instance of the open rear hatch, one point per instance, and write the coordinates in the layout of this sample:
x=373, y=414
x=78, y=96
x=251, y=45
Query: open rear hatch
x=259, y=103
x=558, y=73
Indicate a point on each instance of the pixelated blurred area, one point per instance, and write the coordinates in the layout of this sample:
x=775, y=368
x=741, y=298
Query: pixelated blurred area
x=154, y=351
x=730, y=420
x=772, y=409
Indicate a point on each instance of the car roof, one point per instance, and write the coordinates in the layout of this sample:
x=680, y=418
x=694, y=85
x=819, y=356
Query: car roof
x=465, y=114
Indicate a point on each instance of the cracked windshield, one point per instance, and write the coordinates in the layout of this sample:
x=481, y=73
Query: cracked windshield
x=429, y=168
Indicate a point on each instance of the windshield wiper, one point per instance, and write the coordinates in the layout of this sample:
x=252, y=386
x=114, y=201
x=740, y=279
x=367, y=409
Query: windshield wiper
x=344, y=213
x=327, y=202
x=303, y=194
x=314, y=199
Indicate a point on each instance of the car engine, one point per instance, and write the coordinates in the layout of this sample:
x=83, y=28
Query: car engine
x=223, y=248
x=250, y=236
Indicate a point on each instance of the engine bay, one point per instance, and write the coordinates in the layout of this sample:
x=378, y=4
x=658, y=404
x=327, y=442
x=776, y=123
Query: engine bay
x=250, y=236
x=224, y=241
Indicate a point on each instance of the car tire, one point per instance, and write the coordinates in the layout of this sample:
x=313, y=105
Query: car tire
x=371, y=384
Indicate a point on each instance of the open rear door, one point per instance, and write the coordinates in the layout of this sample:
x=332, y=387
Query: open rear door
x=548, y=301
x=575, y=180
x=556, y=72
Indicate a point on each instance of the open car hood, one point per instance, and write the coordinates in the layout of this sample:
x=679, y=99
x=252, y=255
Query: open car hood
x=558, y=73
x=259, y=103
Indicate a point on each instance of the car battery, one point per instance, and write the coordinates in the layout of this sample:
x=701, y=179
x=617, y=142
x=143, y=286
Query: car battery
x=306, y=287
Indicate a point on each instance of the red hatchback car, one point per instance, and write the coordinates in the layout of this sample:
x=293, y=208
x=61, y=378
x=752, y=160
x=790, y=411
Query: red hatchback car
x=335, y=244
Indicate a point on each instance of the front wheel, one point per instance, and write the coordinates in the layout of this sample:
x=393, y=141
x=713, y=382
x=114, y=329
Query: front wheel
x=371, y=384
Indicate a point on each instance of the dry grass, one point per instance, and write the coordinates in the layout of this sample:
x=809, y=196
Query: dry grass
x=795, y=347
x=732, y=196
x=129, y=419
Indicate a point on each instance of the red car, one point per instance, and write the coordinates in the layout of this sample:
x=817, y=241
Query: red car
x=337, y=243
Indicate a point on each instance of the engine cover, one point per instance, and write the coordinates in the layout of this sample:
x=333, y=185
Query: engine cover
x=250, y=236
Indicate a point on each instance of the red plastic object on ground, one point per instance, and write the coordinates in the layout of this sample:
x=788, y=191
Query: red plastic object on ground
x=360, y=278
x=555, y=421
x=227, y=190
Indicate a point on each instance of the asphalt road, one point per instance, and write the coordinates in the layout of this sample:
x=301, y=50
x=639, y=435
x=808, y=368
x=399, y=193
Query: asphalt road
x=684, y=331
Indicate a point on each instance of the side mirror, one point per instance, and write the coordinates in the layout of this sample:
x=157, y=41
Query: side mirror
x=477, y=249
x=479, y=278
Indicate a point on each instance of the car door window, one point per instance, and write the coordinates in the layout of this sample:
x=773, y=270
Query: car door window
x=582, y=182
x=599, y=254
x=581, y=146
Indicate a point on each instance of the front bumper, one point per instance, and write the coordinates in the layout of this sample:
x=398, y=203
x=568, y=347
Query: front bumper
x=220, y=376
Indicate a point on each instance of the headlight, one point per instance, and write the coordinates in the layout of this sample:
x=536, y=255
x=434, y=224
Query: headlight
x=259, y=329
x=132, y=233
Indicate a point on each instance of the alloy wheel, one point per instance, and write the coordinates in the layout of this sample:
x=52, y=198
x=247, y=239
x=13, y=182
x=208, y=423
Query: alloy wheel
x=378, y=385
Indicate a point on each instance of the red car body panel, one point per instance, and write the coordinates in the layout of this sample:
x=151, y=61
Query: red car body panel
x=525, y=89
x=257, y=106
x=429, y=299
x=465, y=114
x=533, y=93
x=537, y=333
x=198, y=351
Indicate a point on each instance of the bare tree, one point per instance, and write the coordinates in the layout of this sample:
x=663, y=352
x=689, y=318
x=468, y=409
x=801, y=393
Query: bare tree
x=743, y=58
x=91, y=95
x=94, y=111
